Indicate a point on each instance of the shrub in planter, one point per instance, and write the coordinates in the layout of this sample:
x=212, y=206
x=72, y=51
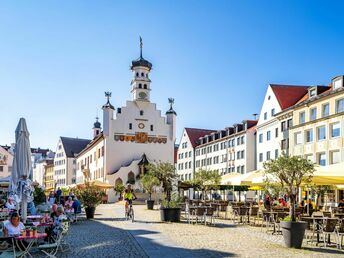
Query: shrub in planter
x=166, y=174
x=149, y=182
x=90, y=197
x=170, y=210
x=119, y=188
x=290, y=172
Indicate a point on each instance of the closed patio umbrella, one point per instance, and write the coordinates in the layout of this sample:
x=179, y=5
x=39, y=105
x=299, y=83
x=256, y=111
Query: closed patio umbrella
x=21, y=185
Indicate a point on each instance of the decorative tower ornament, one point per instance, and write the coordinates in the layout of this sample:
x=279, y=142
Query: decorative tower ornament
x=96, y=128
x=108, y=110
x=140, y=84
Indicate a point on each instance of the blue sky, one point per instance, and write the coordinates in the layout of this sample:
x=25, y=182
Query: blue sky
x=215, y=58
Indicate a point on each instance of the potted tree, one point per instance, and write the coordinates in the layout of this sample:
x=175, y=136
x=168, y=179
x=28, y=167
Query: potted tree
x=90, y=197
x=149, y=182
x=166, y=174
x=291, y=172
x=119, y=188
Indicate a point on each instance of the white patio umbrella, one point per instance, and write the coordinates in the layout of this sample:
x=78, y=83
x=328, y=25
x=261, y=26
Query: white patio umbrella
x=21, y=187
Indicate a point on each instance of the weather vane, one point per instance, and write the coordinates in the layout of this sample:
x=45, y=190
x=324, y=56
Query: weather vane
x=108, y=95
x=171, y=101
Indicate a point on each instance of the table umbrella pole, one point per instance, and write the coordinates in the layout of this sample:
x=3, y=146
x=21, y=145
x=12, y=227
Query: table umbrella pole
x=24, y=208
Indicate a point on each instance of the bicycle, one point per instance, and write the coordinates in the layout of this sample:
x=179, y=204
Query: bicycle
x=130, y=213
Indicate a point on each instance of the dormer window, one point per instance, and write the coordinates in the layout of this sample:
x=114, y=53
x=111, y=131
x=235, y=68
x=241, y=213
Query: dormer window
x=312, y=92
x=337, y=82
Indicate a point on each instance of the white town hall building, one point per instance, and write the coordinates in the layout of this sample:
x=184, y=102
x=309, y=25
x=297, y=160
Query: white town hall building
x=132, y=136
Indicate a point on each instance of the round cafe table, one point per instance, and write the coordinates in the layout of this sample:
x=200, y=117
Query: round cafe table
x=30, y=241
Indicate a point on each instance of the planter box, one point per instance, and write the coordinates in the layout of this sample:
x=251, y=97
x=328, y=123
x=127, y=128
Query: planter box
x=293, y=233
x=150, y=204
x=90, y=212
x=170, y=214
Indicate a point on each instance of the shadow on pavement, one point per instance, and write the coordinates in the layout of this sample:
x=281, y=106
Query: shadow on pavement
x=91, y=238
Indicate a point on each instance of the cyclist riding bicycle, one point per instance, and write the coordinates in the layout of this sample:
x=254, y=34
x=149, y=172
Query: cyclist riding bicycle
x=129, y=195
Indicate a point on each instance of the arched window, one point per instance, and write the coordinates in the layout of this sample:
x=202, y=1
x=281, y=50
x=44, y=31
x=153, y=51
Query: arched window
x=131, y=178
x=140, y=85
x=141, y=112
x=137, y=74
x=119, y=181
x=142, y=74
x=145, y=86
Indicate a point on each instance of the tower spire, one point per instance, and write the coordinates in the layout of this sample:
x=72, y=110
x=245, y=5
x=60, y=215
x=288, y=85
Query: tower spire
x=141, y=45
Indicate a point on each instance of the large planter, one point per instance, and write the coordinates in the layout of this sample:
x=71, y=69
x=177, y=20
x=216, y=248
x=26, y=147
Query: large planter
x=90, y=212
x=170, y=214
x=150, y=204
x=293, y=233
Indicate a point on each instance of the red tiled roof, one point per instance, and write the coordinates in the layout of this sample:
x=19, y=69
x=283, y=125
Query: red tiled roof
x=251, y=123
x=195, y=133
x=306, y=96
x=288, y=95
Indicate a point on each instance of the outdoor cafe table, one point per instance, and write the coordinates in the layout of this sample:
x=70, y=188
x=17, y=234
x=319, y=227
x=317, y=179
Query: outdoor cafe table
x=34, y=217
x=31, y=240
x=339, y=215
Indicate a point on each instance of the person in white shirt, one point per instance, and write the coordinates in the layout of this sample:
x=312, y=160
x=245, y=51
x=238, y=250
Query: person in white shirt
x=10, y=204
x=13, y=226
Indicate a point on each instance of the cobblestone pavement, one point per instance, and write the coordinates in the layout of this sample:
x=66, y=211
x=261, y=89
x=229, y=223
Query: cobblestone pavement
x=224, y=240
x=101, y=237
x=109, y=235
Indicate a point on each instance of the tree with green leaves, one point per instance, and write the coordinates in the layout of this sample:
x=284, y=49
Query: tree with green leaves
x=205, y=180
x=290, y=172
x=119, y=188
x=319, y=191
x=149, y=182
x=165, y=172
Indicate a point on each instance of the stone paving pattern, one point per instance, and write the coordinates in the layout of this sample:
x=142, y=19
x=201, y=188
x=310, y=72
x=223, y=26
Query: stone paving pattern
x=109, y=235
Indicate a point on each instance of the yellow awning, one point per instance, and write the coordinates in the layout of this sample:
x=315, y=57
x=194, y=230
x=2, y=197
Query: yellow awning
x=329, y=175
x=102, y=184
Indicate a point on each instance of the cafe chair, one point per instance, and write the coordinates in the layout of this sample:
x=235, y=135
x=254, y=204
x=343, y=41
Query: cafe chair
x=340, y=232
x=328, y=229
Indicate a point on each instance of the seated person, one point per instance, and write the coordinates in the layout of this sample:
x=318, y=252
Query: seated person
x=53, y=213
x=69, y=205
x=341, y=204
x=309, y=207
x=13, y=226
x=10, y=204
x=51, y=199
x=76, y=205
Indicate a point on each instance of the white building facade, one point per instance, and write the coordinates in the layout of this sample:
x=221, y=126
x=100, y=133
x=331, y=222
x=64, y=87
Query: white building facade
x=185, y=166
x=270, y=131
x=230, y=150
x=65, y=160
x=132, y=135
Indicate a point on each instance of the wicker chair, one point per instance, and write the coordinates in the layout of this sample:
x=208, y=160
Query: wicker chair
x=254, y=210
x=200, y=214
x=209, y=213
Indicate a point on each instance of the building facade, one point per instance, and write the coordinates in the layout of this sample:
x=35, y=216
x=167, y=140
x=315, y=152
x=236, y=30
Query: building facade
x=6, y=161
x=229, y=150
x=65, y=160
x=49, y=183
x=270, y=134
x=185, y=165
x=132, y=135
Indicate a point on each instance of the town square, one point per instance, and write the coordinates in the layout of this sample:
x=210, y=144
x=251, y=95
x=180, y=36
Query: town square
x=171, y=129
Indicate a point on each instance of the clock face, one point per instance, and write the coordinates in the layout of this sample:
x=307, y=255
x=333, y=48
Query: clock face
x=141, y=125
x=142, y=95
